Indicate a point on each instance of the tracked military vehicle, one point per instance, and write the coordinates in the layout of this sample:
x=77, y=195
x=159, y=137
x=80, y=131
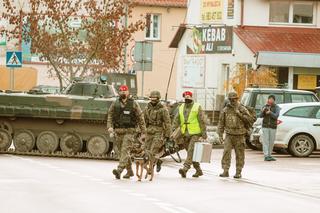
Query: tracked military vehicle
x=70, y=124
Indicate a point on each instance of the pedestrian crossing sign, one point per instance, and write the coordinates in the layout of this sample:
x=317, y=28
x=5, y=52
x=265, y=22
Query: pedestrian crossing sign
x=14, y=59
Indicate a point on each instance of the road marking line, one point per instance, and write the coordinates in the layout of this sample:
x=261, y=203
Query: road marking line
x=96, y=179
x=106, y=183
x=138, y=194
x=151, y=199
x=166, y=207
x=184, y=210
x=86, y=176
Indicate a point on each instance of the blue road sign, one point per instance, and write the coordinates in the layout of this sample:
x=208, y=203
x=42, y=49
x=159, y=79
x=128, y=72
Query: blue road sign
x=14, y=59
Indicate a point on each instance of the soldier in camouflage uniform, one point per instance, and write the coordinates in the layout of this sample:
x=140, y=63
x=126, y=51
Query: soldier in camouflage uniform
x=191, y=120
x=124, y=117
x=158, y=125
x=232, y=121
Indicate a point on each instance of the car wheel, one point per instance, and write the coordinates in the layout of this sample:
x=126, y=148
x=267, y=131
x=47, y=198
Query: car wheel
x=301, y=145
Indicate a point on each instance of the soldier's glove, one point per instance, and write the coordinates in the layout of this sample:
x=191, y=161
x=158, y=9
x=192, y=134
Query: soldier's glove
x=110, y=130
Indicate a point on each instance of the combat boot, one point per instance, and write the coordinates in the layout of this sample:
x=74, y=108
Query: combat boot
x=159, y=162
x=129, y=174
x=224, y=174
x=183, y=172
x=238, y=174
x=117, y=173
x=198, y=173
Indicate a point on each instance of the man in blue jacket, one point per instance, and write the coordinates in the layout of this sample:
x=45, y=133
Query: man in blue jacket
x=269, y=113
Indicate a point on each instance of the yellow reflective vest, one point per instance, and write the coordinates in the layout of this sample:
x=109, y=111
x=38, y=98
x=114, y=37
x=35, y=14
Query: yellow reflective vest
x=192, y=123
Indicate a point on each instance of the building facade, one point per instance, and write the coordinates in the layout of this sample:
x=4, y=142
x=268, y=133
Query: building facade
x=162, y=18
x=279, y=34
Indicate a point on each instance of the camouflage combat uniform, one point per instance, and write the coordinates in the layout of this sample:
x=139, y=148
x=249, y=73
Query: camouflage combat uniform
x=190, y=140
x=158, y=124
x=125, y=118
x=232, y=121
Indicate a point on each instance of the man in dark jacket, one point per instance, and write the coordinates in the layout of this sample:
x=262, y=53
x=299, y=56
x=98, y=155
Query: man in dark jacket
x=269, y=113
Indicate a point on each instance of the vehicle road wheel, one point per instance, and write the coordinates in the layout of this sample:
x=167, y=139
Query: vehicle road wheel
x=24, y=141
x=97, y=145
x=6, y=126
x=71, y=143
x=301, y=145
x=47, y=142
x=5, y=140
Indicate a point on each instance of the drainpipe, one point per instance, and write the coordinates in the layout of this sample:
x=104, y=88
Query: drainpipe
x=242, y=13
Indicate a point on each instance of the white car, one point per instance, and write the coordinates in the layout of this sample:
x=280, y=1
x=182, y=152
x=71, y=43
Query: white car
x=298, y=128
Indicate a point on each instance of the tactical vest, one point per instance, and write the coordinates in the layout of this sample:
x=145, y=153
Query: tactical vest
x=192, y=123
x=124, y=117
x=154, y=116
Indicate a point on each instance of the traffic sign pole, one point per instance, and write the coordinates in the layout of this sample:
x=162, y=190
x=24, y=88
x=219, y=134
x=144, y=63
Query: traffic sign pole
x=11, y=79
x=13, y=59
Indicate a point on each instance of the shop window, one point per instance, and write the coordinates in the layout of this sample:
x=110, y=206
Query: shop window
x=153, y=27
x=292, y=12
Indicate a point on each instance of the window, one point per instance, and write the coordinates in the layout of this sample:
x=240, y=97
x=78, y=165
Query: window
x=279, y=11
x=301, y=98
x=318, y=114
x=245, y=98
x=153, y=27
x=292, y=12
x=262, y=99
x=303, y=13
x=302, y=112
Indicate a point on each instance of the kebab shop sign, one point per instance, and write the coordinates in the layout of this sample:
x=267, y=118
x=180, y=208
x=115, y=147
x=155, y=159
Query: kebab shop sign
x=210, y=40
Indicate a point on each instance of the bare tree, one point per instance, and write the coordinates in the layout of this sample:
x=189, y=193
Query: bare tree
x=95, y=45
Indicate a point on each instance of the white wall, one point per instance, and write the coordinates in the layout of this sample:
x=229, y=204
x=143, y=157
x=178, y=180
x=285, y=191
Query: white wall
x=256, y=13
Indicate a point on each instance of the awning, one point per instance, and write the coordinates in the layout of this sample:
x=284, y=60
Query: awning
x=280, y=39
x=287, y=59
x=178, y=36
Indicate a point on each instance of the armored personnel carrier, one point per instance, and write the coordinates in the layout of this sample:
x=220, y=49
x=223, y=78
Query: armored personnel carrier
x=72, y=123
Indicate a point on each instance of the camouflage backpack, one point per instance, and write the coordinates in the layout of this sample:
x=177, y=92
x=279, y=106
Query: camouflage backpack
x=253, y=117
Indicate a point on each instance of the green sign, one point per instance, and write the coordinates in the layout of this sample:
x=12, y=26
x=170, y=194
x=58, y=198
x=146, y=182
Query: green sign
x=3, y=41
x=210, y=40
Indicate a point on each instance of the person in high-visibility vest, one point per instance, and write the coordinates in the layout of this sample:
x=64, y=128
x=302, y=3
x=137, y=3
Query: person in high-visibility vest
x=191, y=120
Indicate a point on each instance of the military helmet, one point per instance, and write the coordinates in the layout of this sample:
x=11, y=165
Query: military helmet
x=155, y=94
x=233, y=95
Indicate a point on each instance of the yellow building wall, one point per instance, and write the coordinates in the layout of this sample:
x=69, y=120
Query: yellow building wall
x=24, y=78
x=163, y=56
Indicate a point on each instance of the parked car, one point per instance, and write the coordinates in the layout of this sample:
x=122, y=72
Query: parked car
x=318, y=91
x=299, y=128
x=257, y=97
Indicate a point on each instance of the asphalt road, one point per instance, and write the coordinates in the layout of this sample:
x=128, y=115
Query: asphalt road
x=57, y=185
